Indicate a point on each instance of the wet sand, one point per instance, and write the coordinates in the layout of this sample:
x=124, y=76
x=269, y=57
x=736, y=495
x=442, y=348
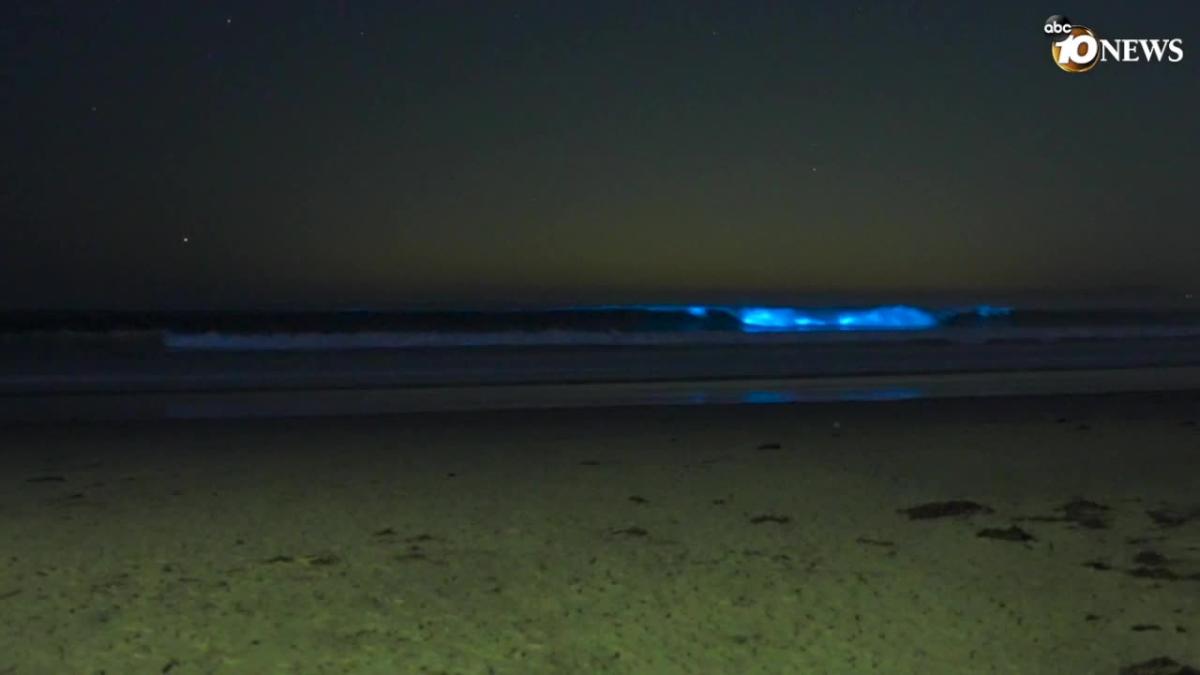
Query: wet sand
x=748, y=539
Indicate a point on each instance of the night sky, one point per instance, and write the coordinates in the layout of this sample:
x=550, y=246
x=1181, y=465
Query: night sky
x=351, y=153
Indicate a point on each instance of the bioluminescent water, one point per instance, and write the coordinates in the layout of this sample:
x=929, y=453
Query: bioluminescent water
x=878, y=318
x=798, y=319
x=643, y=324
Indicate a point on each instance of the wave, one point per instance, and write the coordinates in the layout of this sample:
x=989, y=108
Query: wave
x=613, y=325
x=718, y=325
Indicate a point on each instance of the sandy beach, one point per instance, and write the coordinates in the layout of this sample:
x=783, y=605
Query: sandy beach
x=1024, y=535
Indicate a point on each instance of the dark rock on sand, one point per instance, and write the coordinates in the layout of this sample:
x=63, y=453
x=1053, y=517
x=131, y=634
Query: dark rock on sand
x=875, y=542
x=954, y=507
x=321, y=559
x=770, y=518
x=1079, y=513
x=1161, y=665
x=1160, y=573
x=1085, y=513
x=1170, y=517
x=1013, y=533
x=1150, y=558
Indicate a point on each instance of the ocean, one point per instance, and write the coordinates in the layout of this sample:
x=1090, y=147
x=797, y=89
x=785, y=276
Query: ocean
x=60, y=364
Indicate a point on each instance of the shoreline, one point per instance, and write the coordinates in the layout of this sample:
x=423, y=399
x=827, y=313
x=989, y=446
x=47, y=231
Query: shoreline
x=55, y=407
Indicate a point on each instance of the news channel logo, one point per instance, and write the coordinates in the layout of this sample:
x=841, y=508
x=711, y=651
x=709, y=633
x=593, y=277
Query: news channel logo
x=1075, y=48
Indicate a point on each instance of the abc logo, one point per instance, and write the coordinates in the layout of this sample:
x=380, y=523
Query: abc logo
x=1057, y=26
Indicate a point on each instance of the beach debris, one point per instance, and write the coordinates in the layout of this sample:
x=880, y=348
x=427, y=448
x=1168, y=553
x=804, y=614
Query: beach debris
x=1159, y=573
x=597, y=462
x=1091, y=617
x=770, y=518
x=954, y=507
x=1150, y=558
x=316, y=559
x=385, y=532
x=875, y=542
x=1098, y=565
x=770, y=446
x=1011, y=533
x=1143, y=627
x=169, y=666
x=633, y=531
x=1081, y=512
x=68, y=499
x=1086, y=513
x=718, y=502
x=1161, y=665
x=637, y=499
x=46, y=479
x=320, y=559
x=1167, y=517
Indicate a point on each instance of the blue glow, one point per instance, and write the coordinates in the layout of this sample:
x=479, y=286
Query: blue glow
x=794, y=319
x=897, y=317
x=768, y=398
x=988, y=310
x=882, y=394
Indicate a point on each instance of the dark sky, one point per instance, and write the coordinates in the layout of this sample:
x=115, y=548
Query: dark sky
x=383, y=153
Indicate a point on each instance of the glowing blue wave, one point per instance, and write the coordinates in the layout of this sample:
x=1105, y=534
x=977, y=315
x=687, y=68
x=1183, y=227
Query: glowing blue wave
x=897, y=317
x=792, y=319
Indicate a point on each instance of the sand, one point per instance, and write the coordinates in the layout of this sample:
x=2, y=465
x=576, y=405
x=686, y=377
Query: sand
x=753, y=539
